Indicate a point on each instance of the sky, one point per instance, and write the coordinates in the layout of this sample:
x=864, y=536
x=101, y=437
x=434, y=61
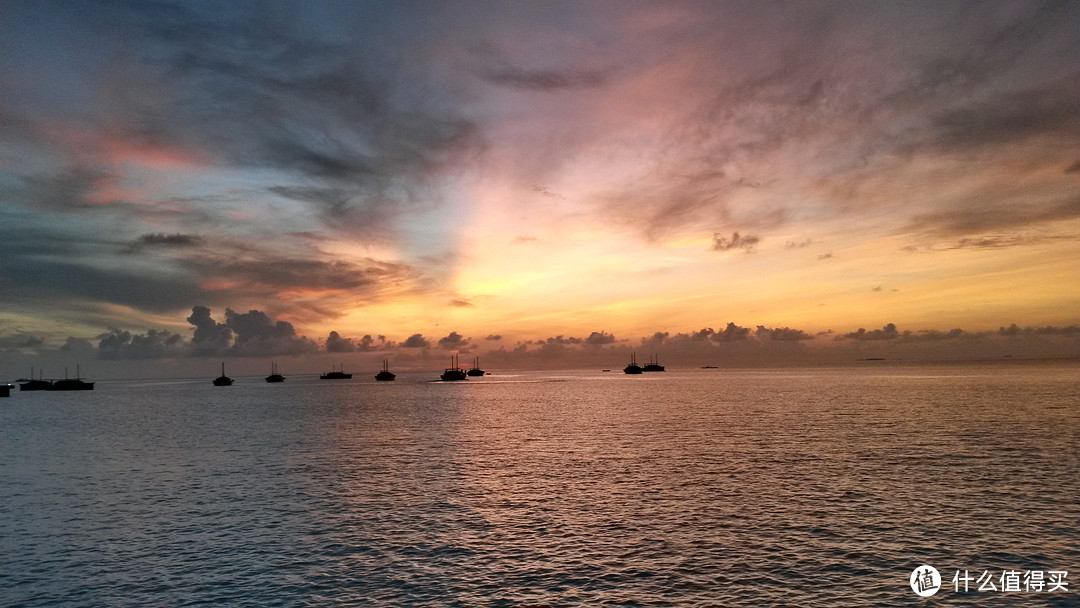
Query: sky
x=538, y=182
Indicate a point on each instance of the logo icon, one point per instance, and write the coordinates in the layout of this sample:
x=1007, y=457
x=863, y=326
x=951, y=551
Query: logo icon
x=925, y=581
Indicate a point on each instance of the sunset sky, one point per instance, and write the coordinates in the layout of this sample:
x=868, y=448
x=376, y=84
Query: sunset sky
x=525, y=174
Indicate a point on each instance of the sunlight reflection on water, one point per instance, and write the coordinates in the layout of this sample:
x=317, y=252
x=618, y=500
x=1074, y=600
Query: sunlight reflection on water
x=697, y=487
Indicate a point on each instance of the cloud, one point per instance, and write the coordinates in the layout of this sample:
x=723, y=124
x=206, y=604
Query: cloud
x=461, y=303
x=259, y=335
x=545, y=81
x=336, y=344
x=493, y=337
x=886, y=333
x=598, y=338
x=737, y=241
x=416, y=341
x=166, y=241
x=454, y=341
x=154, y=344
x=210, y=336
x=781, y=333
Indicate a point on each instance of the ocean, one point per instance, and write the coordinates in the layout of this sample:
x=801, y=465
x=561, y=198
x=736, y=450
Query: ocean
x=700, y=487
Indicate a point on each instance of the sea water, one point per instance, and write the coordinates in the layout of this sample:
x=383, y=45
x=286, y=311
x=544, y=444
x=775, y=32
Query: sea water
x=800, y=487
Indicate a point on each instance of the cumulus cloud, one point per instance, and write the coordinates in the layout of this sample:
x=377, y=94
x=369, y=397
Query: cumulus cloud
x=454, y=341
x=154, y=344
x=416, y=341
x=888, y=332
x=598, y=338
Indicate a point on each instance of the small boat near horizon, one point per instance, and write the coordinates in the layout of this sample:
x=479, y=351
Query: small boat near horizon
x=5, y=389
x=385, y=375
x=223, y=380
x=35, y=385
x=633, y=368
x=653, y=365
x=336, y=374
x=274, y=375
x=475, y=369
x=72, y=384
x=454, y=372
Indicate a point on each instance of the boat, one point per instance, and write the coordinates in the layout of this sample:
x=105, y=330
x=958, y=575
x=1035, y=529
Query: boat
x=223, y=380
x=653, y=365
x=385, y=375
x=633, y=368
x=73, y=384
x=35, y=385
x=274, y=375
x=336, y=374
x=708, y=367
x=475, y=370
x=5, y=389
x=455, y=372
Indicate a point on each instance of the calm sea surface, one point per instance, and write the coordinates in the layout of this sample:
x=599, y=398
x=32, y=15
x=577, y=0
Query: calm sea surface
x=822, y=487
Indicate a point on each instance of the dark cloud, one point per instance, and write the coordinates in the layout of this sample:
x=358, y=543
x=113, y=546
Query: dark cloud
x=598, y=338
x=259, y=335
x=167, y=241
x=886, y=333
x=781, y=333
x=336, y=344
x=984, y=218
x=250, y=334
x=461, y=303
x=798, y=244
x=546, y=81
x=454, y=341
x=1014, y=330
x=416, y=341
x=737, y=241
x=493, y=337
x=210, y=336
x=732, y=333
x=154, y=344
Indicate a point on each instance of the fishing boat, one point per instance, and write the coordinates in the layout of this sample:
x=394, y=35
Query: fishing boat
x=633, y=368
x=653, y=365
x=336, y=374
x=274, y=375
x=223, y=380
x=5, y=389
x=72, y=384
x=385, y=375
x=35, y=385
x=455, y=372
x=475, y=369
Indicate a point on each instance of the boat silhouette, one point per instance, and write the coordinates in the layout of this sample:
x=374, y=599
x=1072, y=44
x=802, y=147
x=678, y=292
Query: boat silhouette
x=455, y=372
x=653, y=365
x=5, y=389
x=223, y=380
x=274, y=375
x=475, y=370
x=72, y=384
x=336, y=374
x=385, y=375
x=35, y=385
x=633, y=368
